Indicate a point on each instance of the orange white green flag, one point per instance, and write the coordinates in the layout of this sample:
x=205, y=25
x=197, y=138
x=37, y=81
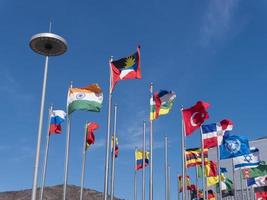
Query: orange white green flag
x=89, y=98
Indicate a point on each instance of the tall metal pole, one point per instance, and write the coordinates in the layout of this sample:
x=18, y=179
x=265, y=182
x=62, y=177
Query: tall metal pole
x=247, y=192
x=178, y=188
x=135, y=178
x=196, y=180
x=66, y=168
x=241, y=184
x=83, y=161
x=234, y=188
x=151, y=151
x=144, y=161
x=39, y=138
x=203, y=167
x=183, y=156
x=108, y=135
x=219, y=172
x=169, y=182
x=46, y=153
x=113, y=153
x=166, y=166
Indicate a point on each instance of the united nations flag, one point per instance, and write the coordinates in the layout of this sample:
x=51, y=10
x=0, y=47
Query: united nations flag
x=233, y=146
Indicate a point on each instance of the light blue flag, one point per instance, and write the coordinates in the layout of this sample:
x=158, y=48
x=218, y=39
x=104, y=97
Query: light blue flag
x=233, y=146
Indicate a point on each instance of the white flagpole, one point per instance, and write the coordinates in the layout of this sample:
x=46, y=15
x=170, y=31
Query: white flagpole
x=151, y=151
x=178, y=188
x=169, y=182
x=241, y=184
x=113, y=153
x=166, y=167
x=67, y=153
x=135, y=178
x=234, y=192
x=46, y=153
x=108, y=135
x=39, y=137
x=203, y=166
x=144, y=161
x=83, y=161
x=247, y=192
x=196, y=180
x=219, y=172
x=183, y=156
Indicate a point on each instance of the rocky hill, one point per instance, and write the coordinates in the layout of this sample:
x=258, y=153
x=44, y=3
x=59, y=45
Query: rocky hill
x=54, y=193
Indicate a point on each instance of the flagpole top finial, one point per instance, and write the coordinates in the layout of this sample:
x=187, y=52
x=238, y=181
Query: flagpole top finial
x=111, y=59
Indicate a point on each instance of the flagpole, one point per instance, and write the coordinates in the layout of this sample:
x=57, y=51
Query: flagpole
x=196, y=180
x=113, y=153
x=46, y=152
x=241, y=184
x=234, y=192
x=178, y=188
x=247, y=192
x=151, y=151
x=135, y=181
x=169, y=182
x=144, y=160
x=219, y=172
x=108, y=135
x=203, y=166
x=166, y=167
x=67, y=153
x=183, y=156
x=83, y=161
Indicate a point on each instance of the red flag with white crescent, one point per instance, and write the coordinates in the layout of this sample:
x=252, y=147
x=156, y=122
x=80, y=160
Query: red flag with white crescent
x=195, y=116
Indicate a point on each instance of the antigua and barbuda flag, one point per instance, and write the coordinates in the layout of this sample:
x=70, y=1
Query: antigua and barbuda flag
x=126, y=68
x=212, y=134
x=250, y=160
x=233, y=146
x=56, y=118
x=161, y=103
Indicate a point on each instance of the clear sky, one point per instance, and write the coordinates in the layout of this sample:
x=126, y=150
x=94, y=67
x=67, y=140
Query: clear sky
x=203, y=50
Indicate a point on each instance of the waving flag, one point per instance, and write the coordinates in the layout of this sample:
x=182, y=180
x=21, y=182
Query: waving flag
x=187, y=182
x=213, y=133
x=56, y=118
x=257, y=181
x=126, y=68
x=161, y=103
x=193, y=117
x=210, y=169
x=261, y=193
x=261, y=170
x=233, y=146
x=247, y=161
x=139, y=155
x=116, y=146
x=90, y=139
x=193, y=156
x=89, y=98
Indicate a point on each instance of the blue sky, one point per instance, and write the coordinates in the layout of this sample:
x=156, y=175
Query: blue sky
x=203, y=50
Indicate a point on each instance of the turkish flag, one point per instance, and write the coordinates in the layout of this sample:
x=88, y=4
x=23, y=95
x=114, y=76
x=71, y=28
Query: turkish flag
x=195, y=116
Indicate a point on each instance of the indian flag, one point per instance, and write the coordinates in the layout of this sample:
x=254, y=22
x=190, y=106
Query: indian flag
x=89, y=98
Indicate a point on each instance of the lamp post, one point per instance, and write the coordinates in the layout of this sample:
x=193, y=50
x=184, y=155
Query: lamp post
x=46, y=44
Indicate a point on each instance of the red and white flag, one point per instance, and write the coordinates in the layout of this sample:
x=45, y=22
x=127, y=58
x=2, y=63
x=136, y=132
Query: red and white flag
x=193, y=117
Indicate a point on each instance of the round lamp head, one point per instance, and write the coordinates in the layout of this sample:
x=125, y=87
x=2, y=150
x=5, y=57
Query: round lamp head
x=48, y=44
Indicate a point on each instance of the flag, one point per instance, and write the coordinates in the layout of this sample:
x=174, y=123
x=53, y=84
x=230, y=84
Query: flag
x=161, y=103
x=261, y=193
x=212, y=180
x=211, y=195
x=126, y=68
x=233, y=146
x=247, y=161
x=210, y=169
x=223, y=170
x=89, y=98
x=257, y=181
x=212, y=134
x=193, y=117
x=90, y=137
x=56, y=118
x=187, y=182
x=193, y=156
x=139, y=159
x=261, y=170
x=116, y=146
x=227, y=187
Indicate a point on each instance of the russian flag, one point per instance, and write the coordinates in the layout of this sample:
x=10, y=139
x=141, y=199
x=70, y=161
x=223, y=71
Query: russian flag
x=213, y=133
x=56, y=118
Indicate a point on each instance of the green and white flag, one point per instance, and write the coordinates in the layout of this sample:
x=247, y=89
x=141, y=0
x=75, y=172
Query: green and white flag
x=89, y=98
